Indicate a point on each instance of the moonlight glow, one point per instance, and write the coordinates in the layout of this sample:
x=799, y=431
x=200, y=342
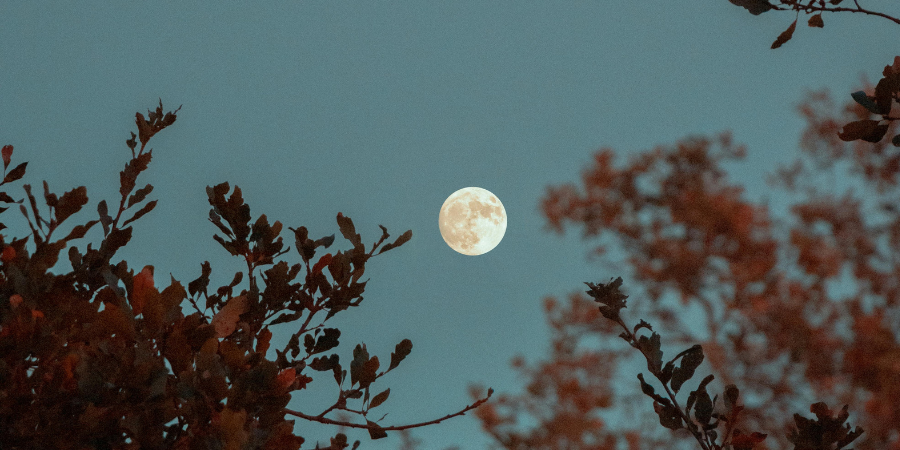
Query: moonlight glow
x=472, y=221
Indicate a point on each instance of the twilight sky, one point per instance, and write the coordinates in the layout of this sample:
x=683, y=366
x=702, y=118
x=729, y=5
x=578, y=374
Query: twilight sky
x=380, y=111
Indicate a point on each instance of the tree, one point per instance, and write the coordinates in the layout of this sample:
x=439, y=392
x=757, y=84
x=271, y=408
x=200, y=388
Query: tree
x=84, y=354
x=793, y=313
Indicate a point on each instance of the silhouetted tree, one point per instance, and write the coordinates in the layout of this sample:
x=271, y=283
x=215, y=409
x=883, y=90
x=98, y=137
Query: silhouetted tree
x=83, y=354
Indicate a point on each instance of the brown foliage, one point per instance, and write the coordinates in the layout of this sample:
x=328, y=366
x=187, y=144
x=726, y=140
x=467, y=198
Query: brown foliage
x=83, y=354
x=794, y=311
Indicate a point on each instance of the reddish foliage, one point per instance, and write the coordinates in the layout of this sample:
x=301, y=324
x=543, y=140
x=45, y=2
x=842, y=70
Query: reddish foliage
x=83, y=360
x=779, y=320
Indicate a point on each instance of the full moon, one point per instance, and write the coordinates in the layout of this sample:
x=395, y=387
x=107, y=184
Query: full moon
x=472, y=221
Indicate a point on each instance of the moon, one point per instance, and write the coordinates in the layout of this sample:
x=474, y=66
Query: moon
x=472, y=221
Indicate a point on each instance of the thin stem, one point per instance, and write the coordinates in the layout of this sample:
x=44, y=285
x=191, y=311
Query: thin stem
x=858, y=9
x=390, y=428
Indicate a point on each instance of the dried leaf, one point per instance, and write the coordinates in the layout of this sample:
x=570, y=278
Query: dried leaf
x=866, y=101
x=139, y=195
x=689, y=362
x=785, y=35
x=16, y=173
x=225, y=321
x=142, y=286
x=380, y=398
x=867, y=130
x=816, y=21
x=404, y=238
x=147, y=208
x=401, y=351
x=375, y=432
x=70, y=203
x=7, y=155
x=756, y=7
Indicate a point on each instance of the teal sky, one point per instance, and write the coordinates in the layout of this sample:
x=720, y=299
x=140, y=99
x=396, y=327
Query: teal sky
x=382, y=110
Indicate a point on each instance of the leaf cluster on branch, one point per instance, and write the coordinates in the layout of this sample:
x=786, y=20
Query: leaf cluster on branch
x=87, y=351
x=812, y=8
x=824, y=433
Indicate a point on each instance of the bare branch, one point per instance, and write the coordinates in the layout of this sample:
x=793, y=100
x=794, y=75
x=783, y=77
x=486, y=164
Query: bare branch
x=794, y=4
x=391, y=428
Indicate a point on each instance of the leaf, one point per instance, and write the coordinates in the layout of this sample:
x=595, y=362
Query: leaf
x=9, y=254
x=401, y=351
x=323, y=363
x=669, y=416
x=285, y=378
x=741, y=441
x=404, y=238
x=648, y=390
x=368, y=371
x=16, y=173
x=139, y=195
x=80, y=230
x=651, y=350
x=225, y=321
x=642, y=324
x=689, y=362
x=703, y=405
x=285, y=317
x=147, y=208
x=376, y=432
x=50, y=198
x=785, y=35
x=7, y=154
x=115, y=240
x=884, y=91
x=360, y=356
x=4, y=197
x=731, y=396
x=609, y=296
x=144, y=130
x=105, y=219
x=142, y=285
x=816, y=21
x=201, y=283
x=380, y=398
x=825, y=430
x=323, y=261
x=262, y=342
x=756, y=7
x=867, y=130
x=327, y=341
x=348, y=230
x=866, y=101
x=70, y=203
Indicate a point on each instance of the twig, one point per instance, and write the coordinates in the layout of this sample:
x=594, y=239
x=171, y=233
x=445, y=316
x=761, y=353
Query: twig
x=391, y=428
x=858, y=9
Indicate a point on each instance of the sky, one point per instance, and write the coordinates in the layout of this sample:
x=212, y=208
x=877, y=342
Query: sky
x=381, y=110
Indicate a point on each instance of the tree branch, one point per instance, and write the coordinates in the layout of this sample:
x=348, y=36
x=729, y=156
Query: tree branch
x=391, y=428
x=796, y=5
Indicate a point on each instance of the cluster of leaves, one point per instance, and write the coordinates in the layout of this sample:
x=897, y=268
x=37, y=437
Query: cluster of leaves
x=87, y=351
x=812, y=8
x=697, y=415
x=885, y=102
x=764, y=287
